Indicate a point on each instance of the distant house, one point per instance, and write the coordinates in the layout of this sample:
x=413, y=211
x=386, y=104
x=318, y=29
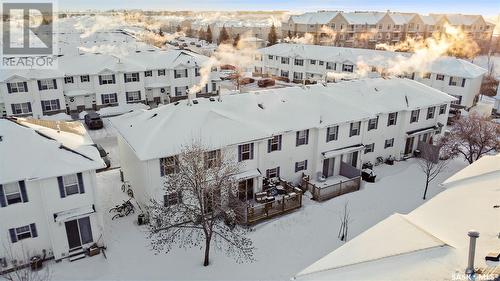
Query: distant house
x=325, y=132
x=47, y=190
x=429, y=243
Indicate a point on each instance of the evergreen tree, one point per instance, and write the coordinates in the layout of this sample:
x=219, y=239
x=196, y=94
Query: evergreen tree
x=272, y=37
x=289, y=34
x=208, y=35
x=236, y=40
x=201, y=34
x=223, y=36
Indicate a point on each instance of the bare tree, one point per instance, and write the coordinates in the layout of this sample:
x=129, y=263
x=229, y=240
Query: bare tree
x=200, y=206
x=471, y=136
x=345, y=219
x=430, y=164
x=19, y=267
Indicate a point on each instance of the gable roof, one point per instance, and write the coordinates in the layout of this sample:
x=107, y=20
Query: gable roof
x=322, y=17
x=34, y=150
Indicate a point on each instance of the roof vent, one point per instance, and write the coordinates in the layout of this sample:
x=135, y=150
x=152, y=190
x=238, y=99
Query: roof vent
x=153, y=116
x=261, y=105
x=211, y=99
x=176, y=103
x=195, y=101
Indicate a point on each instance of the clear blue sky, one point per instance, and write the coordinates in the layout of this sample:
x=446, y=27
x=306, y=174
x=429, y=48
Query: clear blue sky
x=485, y=7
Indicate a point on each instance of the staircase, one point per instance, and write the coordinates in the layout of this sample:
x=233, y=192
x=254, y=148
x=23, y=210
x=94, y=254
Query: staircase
x=76, y=254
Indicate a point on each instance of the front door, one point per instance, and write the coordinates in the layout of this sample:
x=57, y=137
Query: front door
x=409, y=145
x=328, y=167
x=78, y=232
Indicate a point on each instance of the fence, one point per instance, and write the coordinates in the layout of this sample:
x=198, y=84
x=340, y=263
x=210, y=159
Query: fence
x=334, y=190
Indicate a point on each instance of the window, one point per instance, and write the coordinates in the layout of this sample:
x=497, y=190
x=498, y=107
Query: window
x=297, y=75
x=332, y=133
x=427, y=75
x=355, y=126
x=17, y=87
x=456, y=81
x=70, y=184
x=414, y=115
x=285, y=60
x=197, y=72
x=369, y=148
x=430, y=112
x=313, y=61
x=109, y=98
x=245, y=152
x=169, y=165
x=273, y=173
x=179, y=91
x=212, y=158
x=50, y=105
x=299, y=62
x=180, y=73
x=68, y=80
x=274, y=144
x=372, y=124
x=392, y=118
x=458, y=101
x=133, y=96
x=23, y=232
x=440, y=77
x=84, y=78
x=300, y=166
x=321, y=62
x=21, y=108
x=12, y=193
x=284, y=73
x=389, y=143
x=270, y=57
x=106, y=79
x=374, y=69
x=347, y=67
x=161, y=72
x=147, y=73
x=172, y=198
x=442, y=109
x=302, y=137
x=47, y=84
x=330, y=65
x=134, y=77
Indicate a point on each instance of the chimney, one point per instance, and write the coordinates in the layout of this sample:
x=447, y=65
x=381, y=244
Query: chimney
x=472, y=251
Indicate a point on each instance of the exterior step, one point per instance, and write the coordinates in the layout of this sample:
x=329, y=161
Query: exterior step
x=77, y=257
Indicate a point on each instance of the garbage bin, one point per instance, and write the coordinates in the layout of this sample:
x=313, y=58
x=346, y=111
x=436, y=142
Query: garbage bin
x=36, y=263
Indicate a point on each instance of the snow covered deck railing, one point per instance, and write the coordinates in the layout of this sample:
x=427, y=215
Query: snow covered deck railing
x=284, y=204
x=346, y=182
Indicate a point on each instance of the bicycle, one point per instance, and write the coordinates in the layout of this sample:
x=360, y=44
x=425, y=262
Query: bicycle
x=127, y=187
x=124, y=206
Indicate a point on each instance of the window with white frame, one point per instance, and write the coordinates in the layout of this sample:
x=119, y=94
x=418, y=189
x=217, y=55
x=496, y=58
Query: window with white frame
x=389, y=143
x=133, y=96
x=274, y=144
x=430, y=112
x=284, y=73
x=109, y=98
x=299, y=62
x=21, y=108
x=442, y=109
x=169, y=165
x=330, y=65
x=134, y=77
x=148, y=73
x=440, y=77
x=347, y=67
x=285, y=60
x=355, y=129
x=332, y=133
x=392, y=118
x=414, y=115
x=270, y=57
x=427, y=75
x=313, y=62
x=70, y=184
x=321, y=62
x=84, y=78
x=23, y=232
x=68, y=80
x=12, y=193
x=245, y=152
x=179, y=91
x=369, y=148
x=300, y=166
x=197, y=72
x=46, y=84
x=161, y=72
x=273, y=173
x=106, y=79
x=302, y=137
x=372, y=124
x=212, y=158
x=453, y=81
x=297, y=75
x=17, y=87
x=50, y=105
x=180, y=73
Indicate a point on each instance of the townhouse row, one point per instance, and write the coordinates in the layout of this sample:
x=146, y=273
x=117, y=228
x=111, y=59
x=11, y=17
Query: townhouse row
x=367, y=29
x=47, y=209
x=320, y=131
x=300, y=63
x=94, y=81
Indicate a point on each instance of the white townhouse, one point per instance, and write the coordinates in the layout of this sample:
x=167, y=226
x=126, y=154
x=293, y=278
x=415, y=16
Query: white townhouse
x=300, y=63
x=47, y=190
x=94, y=81
x=324, y=131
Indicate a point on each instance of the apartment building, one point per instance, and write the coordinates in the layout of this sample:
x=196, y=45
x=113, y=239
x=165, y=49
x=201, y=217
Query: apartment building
x=94, y=81
x=367, y=29
x=309, y=63
x=323, y=131
x=47, y=190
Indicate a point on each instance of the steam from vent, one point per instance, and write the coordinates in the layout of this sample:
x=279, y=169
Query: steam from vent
x=308, y=38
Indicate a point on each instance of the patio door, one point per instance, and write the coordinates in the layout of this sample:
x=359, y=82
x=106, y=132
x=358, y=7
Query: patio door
x=328, y=167
x=78, y=232
x=409, y=145
x=245, y=189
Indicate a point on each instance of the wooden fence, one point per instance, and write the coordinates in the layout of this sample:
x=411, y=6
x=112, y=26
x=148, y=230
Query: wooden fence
x=334, y=190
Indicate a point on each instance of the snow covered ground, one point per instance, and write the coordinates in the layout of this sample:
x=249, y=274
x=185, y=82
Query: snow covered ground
x=285, y=245
x=106, y=137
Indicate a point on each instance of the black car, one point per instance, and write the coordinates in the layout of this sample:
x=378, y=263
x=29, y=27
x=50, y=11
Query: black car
x=93, y=121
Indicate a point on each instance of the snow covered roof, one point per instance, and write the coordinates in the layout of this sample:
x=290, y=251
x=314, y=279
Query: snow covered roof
x=430, y=243
x=444, y=65
x=322, y=17
x=485, y=165
x=36, y=149
x=459, y=19
x=363, y=17
x=163, y=131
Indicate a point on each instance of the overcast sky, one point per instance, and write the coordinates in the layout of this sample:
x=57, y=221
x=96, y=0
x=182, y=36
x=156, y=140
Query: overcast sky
x=484, y=7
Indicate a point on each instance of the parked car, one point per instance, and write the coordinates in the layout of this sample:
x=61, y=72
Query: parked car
x=246, y=80
x=266, y=82
x=103, y=154
x=93, y=121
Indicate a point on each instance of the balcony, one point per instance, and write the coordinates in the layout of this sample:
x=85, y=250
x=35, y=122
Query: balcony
x=348, y=180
